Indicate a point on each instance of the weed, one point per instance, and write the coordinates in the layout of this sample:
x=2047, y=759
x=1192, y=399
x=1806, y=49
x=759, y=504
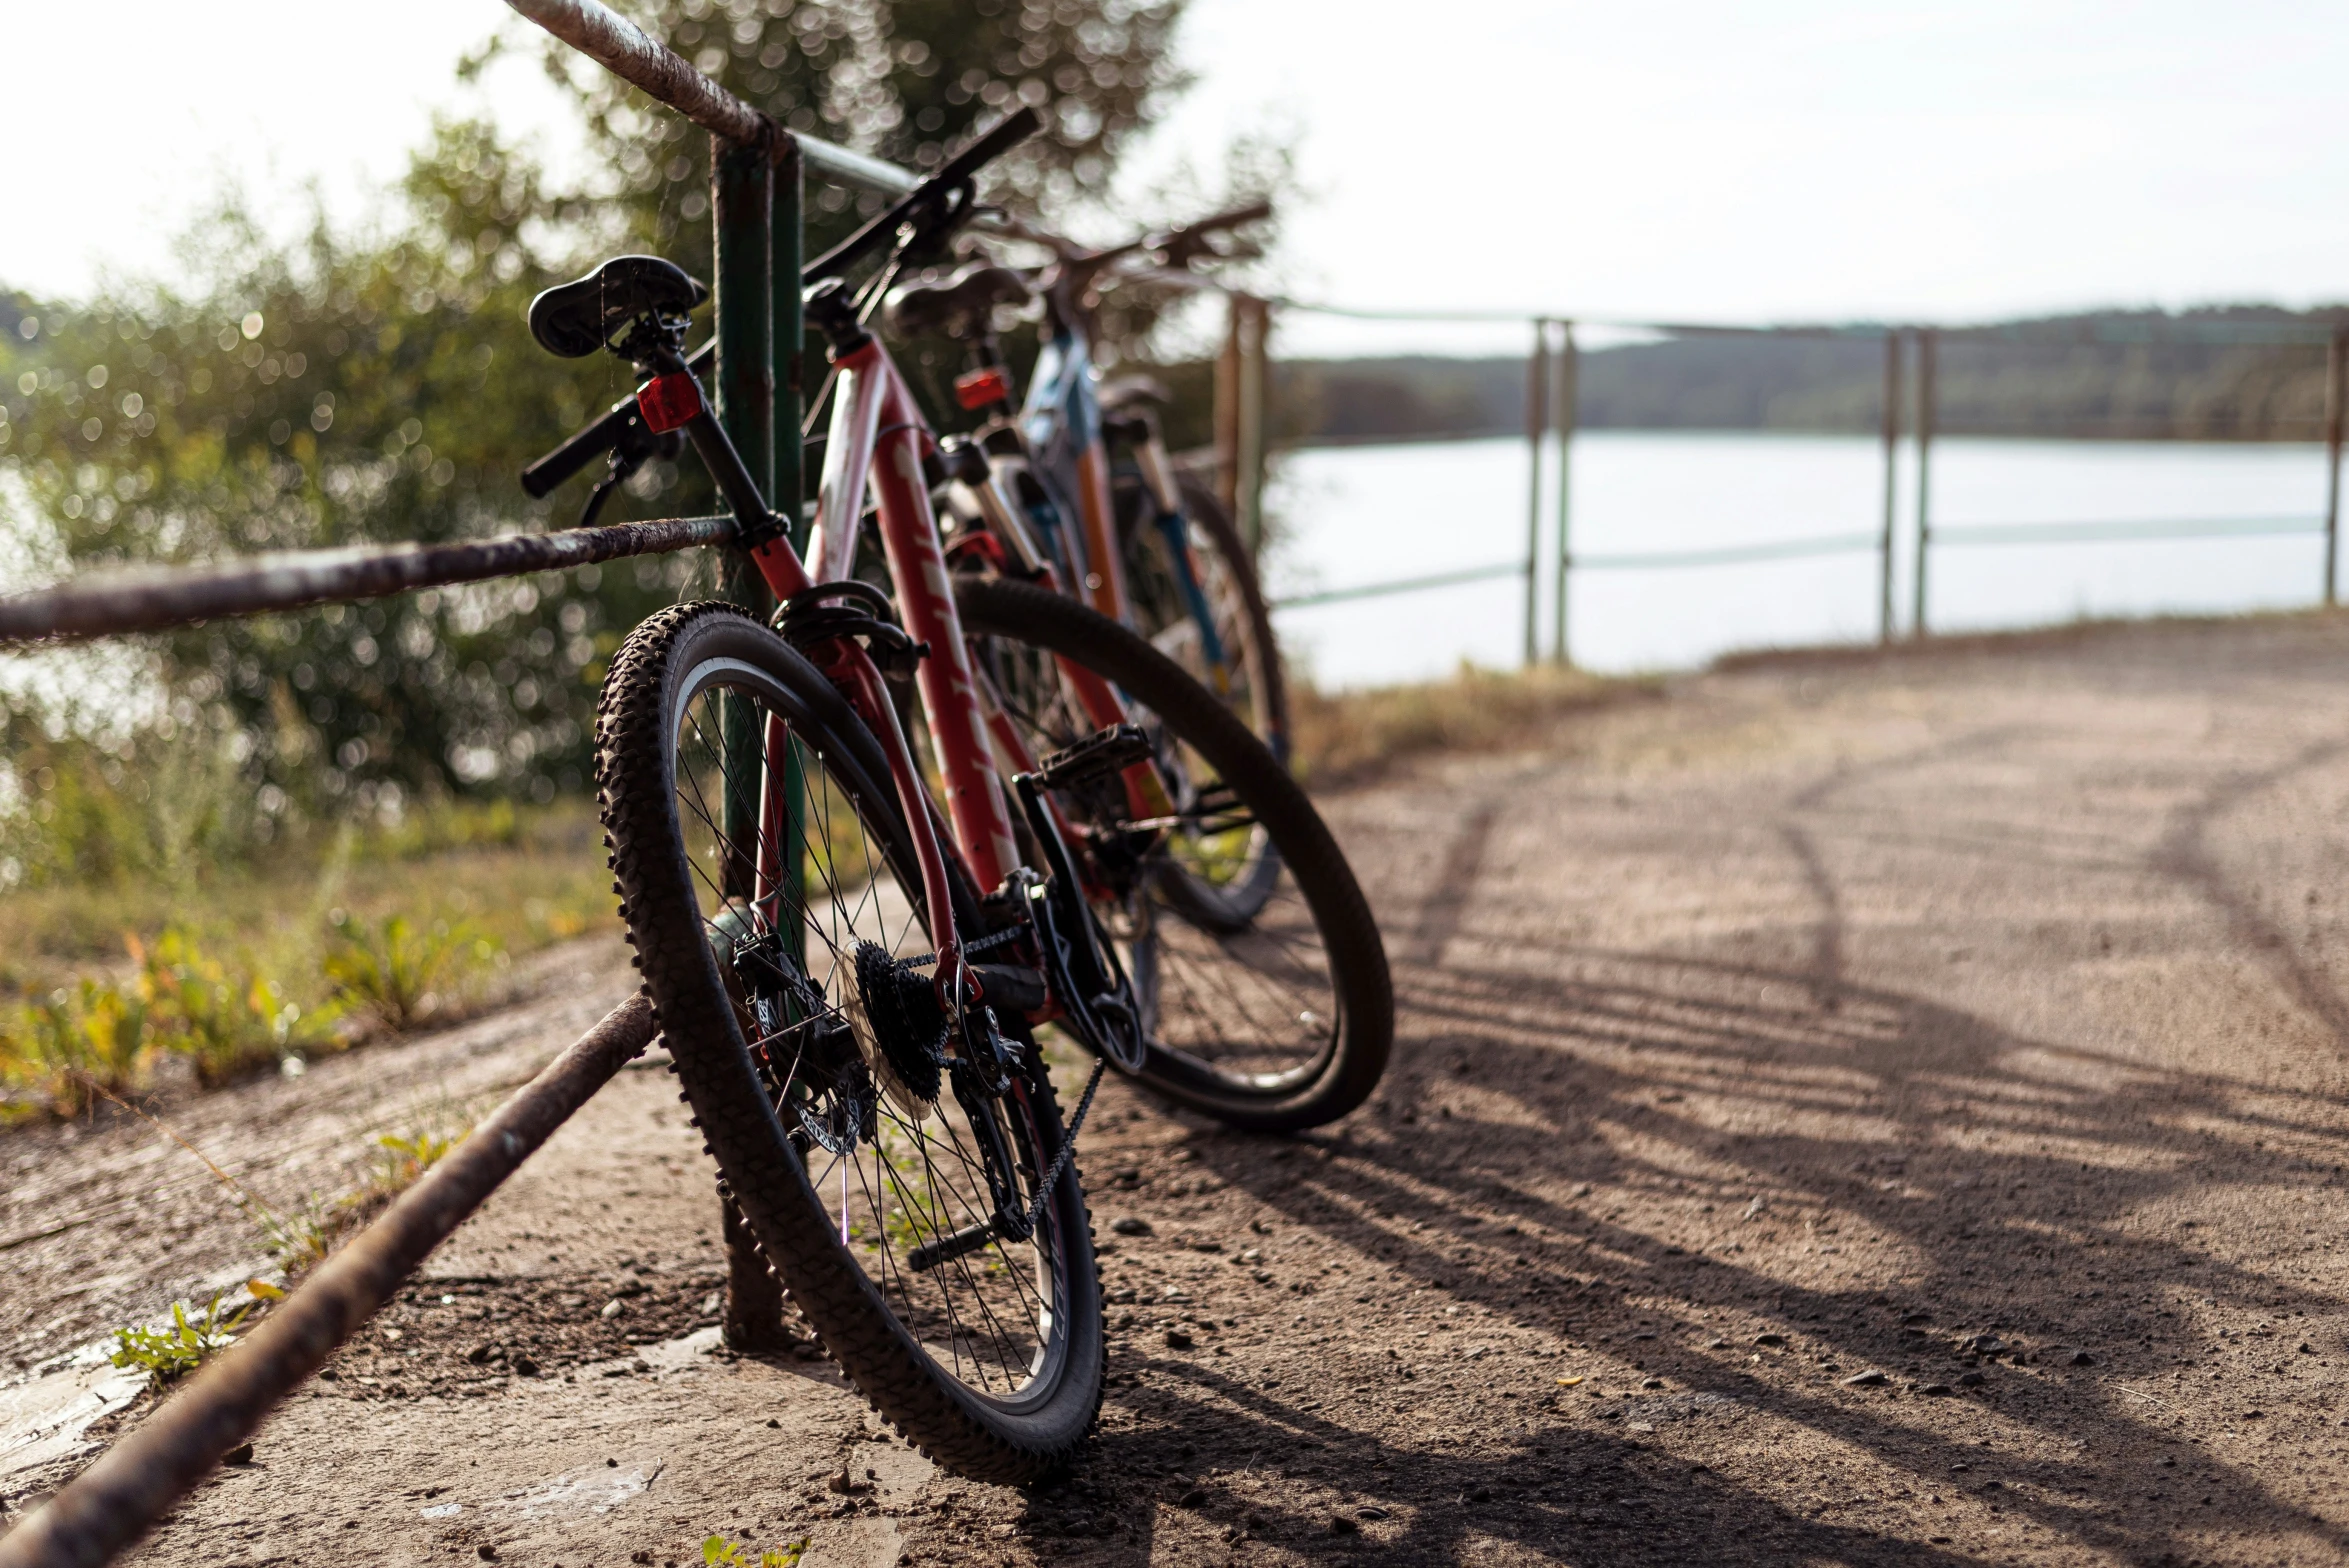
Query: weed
x=302, y=1239
x=717, y=1550
x=401, y=1161
x=62, y=1054
x=1348, y=734
x=229, y=1023
x=388, y=969
x=168, y=1354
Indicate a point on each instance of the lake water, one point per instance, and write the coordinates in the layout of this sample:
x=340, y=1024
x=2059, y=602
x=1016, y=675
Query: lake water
x=1372, y=514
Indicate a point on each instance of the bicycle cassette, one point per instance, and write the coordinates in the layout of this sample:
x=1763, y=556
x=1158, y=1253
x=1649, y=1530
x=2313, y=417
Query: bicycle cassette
x=899, y=1027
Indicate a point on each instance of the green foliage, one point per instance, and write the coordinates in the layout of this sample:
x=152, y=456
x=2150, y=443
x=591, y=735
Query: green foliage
x=303, y=1238
x=61, y=1054
x=97, y=1039
x=229, y=1021
x=906, y=80
x=716, y=1550
x=388, y=968
x=169, y=1354
x=151, y=804
x=330, y=393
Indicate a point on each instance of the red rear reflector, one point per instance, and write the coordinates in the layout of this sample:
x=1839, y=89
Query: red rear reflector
x=975, y=389
x=668, y=402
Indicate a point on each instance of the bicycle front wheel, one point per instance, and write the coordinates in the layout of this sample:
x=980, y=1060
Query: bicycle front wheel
x=873, y=1169
x=1275, y=1017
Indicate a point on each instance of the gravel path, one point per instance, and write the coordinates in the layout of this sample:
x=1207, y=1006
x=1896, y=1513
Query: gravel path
x=1849, y=1110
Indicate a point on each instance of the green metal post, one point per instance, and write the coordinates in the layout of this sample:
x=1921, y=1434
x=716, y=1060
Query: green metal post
x=785, y=259
x=1891, y=422
x=1928, y=342
x=740, y=202
x=2336, y=399
x=1537, y=424
x=1568, y=393
x=790, y=334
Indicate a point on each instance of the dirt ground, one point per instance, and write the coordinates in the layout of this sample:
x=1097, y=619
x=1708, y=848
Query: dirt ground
x=1848, y=1110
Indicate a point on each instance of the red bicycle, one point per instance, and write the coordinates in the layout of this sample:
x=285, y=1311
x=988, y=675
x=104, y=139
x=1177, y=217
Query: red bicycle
x=1076, y=488
x=863, y=988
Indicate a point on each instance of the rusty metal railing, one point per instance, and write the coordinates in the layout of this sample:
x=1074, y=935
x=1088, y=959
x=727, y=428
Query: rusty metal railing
x=113, y=603
x=118, y=1498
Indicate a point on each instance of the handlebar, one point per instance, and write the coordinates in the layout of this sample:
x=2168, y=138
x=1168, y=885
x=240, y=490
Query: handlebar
x=1181, y=245
x=936, y=206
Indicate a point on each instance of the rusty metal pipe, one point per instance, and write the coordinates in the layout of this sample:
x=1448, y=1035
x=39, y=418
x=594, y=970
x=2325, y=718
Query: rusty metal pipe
x=636, y=57
x=151, y=599
x=120, y=1496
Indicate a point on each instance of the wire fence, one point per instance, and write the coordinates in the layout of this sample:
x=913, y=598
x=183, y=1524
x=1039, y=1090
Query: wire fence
x=1910, y=421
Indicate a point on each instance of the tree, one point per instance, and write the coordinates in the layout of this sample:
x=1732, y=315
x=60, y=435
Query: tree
x=368, y=387
x=905, y=80
x=334, y=392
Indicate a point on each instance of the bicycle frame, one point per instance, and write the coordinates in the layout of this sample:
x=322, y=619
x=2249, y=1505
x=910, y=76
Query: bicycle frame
x=1062, y=422
x=878, y=437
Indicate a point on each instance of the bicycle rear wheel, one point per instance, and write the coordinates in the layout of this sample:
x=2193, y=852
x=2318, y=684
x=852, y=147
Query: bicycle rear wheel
x=1275, y=1019
x=867, y=1164
x=1249, y=676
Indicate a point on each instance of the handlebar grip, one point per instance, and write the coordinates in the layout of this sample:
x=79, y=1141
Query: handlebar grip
x=1016, y=128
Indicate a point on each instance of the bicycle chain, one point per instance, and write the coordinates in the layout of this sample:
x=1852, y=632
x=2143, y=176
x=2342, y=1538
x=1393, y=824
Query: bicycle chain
x=1068, y=1147
x=1068, y=1141
x=983, y=944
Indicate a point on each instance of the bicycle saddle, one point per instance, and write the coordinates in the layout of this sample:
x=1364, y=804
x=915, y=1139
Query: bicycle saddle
x=958, y=307
x=572, y=320
x=1127, y=391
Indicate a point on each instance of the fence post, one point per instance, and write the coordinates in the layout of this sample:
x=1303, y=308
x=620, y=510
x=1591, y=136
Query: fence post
x=1891, y=482
x=1255, y=392
x=785, y=257
x=1568, y=399
x=741, y=221
x=1927, y=343
x=2336, y=396
x=784, y=260
x=1537, y=427
x=1227, y=408
x=741, y=202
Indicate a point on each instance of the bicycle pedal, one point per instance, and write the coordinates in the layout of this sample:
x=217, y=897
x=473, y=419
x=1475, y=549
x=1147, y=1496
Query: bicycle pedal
x=1112, y=750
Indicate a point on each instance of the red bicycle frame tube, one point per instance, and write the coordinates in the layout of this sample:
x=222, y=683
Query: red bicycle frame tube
x=877, y=431
x=878, y=437
x=1105, y=584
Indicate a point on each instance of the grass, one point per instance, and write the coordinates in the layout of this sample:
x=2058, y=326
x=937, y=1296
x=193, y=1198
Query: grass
x=1345, y=736
x=243, y=969
x=168, y=1354
x=719, y=1552
x=387, y=969
x=307, y=1236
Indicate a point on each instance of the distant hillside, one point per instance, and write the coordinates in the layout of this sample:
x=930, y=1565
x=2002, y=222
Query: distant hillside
x=2107, y=374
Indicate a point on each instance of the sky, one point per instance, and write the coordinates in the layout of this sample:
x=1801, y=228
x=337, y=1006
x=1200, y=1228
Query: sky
x=1800, y=160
